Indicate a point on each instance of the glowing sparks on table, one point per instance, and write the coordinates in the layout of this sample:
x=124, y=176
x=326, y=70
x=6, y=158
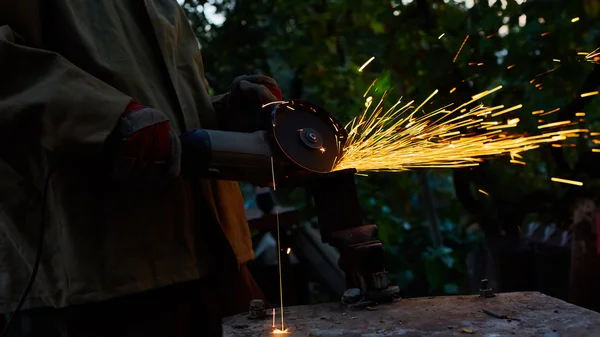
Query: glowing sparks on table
x=280, y=332
x=566, y=181
x=403, y=137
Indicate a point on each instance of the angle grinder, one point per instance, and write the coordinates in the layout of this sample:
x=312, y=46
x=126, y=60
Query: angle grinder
x=301, y=140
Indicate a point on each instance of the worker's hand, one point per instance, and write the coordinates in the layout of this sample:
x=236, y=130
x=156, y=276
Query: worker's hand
x=143, y=146
x=247, y=96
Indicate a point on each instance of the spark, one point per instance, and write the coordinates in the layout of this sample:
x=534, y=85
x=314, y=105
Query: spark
x=280, y=332
x=273, y=317
x=593, y=56
x=441, y=36
x=453, y=90
x=574, y=19
x=580, y=114
x=507, y=110
x=278, y=248
x=546, y=33
x=518, y=162
x=554, y=124
x=483, y=192
x=545, y=73
x=587, y=94
x=593, y=134
x=595, y=150
x=289, y=250
x=459, y=49
x=583, y=53
x=397, y=139
x=549, y=112
x=366, y=64
x=510, y=66
x=566, y=181
x=275, y=102
x=371, y=86
x=556, y=60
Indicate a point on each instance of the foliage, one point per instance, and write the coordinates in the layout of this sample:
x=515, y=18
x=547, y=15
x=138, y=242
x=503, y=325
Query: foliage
x=313, y=48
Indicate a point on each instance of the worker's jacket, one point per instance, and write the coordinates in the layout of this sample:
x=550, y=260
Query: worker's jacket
x=68, y=69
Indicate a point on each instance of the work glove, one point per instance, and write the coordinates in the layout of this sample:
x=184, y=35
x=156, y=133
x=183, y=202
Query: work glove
x=143, y=146
x=244, y=111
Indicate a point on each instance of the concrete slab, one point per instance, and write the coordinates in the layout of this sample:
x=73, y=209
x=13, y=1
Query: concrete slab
x=539, y=315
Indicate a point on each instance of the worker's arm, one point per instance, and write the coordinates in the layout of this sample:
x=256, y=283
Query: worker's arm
x=44, y=94
x=42, y=90
x=241, y=108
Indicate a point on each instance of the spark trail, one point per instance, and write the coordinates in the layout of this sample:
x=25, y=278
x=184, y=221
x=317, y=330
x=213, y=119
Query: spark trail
x=403, y=138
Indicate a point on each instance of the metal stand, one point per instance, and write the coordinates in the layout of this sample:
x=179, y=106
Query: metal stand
x=361, y=252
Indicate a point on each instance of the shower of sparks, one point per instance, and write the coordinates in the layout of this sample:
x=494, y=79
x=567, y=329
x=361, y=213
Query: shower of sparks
x=459, y=49
x=403, y=137
x=566, y=181
x=366, y=64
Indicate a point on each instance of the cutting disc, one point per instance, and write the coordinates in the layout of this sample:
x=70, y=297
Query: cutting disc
x=308, y=135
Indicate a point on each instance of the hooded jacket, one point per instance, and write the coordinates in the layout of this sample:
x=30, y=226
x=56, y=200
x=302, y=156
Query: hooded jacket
x=68, y=69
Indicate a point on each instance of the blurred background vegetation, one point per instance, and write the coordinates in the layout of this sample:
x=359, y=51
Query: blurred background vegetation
x=436, y=226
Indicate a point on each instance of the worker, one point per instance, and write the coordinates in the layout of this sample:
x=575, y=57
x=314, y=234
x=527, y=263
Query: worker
x=93, y=98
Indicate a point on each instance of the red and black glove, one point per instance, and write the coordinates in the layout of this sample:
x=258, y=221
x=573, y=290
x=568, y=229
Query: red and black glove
x=143, y=144
x=248, y=94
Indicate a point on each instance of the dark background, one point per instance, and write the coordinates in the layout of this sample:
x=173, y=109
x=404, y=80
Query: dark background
x=441, y=234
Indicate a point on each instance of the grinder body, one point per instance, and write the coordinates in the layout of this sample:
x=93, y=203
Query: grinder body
x=301, y=141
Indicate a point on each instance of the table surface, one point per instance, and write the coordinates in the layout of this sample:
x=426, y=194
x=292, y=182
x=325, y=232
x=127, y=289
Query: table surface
x=539, y=315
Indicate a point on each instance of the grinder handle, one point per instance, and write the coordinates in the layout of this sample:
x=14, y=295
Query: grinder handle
x=227, y=155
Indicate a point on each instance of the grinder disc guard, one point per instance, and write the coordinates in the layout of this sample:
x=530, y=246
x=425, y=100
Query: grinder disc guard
x=308, y=135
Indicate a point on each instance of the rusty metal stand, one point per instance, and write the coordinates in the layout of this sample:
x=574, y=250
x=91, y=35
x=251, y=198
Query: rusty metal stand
x=361, y=253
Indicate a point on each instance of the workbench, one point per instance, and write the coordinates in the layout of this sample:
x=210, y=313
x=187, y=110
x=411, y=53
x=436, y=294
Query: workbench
x=536, y=315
